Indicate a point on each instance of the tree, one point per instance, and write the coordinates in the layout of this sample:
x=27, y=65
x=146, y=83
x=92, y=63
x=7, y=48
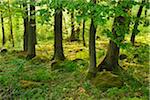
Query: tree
x=83, y=32
x=120, y=24
x=26, y=27
x=3, y=33
x=92, y=51
x=146, y=22
x=10, y=25
x=32, y=32
x=77, y=31
x=135, y=30
x=72, y=37
x=58, y=46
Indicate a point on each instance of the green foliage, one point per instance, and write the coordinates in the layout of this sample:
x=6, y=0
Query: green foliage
x=34, y=80
x=40, y=74
x=115, y=93
x=68, y=66
x=100, y=53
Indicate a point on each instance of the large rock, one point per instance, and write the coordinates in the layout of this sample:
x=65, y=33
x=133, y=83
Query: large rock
x=106, y=80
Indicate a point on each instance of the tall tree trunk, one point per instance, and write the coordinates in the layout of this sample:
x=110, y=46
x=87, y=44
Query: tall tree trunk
x=58, y=46
x=77, y=32
x=72, y=37
x=3, y=33
x=135, y=30
x=146, y=22
x=92, y=50
x=110, y=61
x=83, y=31
x=26, y=27
x=11, y=26
x=32, y=33
x=33, y=21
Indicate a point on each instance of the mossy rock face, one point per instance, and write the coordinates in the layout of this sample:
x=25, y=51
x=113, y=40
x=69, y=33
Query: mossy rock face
x=106, y=80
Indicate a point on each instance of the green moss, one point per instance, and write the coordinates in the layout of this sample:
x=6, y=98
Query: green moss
x=106, y=80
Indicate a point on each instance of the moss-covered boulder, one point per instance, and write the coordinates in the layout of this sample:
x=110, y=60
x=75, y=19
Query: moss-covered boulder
x=106, y=80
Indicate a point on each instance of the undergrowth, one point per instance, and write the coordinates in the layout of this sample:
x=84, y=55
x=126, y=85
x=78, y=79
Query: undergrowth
x=34, y=79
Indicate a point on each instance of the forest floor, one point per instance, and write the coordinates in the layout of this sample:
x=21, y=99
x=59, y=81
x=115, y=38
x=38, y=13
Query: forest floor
x=22, y=79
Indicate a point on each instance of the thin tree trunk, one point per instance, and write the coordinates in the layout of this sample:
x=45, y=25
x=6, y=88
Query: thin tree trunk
x=65, y=27
x=58, y=46
x=77, y=32
x=135, y=30
x=72, y=37
x=26, y=28
x=3, y=33
x=11, y=26
x=145, y=22
x=92, y=50
x=83, y=31
x=32, y=31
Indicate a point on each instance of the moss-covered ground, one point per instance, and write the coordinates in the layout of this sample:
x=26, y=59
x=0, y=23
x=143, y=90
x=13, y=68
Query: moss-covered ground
x=22, y=79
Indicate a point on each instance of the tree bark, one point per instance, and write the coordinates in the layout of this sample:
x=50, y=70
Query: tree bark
x=32, y=31
x=92, y=50
x=58, y=46
x=3, y=32
x=26, y=27
x=33, y=21
x=135, y=30
x=77, y=32
x=146, y=22
x=72, y=37
x=110, y=62
x=11, y=26
x=83, y=32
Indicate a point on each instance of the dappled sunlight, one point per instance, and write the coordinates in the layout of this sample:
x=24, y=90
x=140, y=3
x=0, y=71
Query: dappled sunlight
x=74, y=50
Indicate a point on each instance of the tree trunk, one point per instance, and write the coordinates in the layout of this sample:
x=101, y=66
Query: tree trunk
x=135, y=31
x=110, y=62
x=26, y=28
x=33, y=21
x=3, y=33
x=146, y=22
x=72, y=37
x=77, y=32
x=11, y=27
x=58, y=46
x=83, y=31
x=32, y=31
x=92, y=50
